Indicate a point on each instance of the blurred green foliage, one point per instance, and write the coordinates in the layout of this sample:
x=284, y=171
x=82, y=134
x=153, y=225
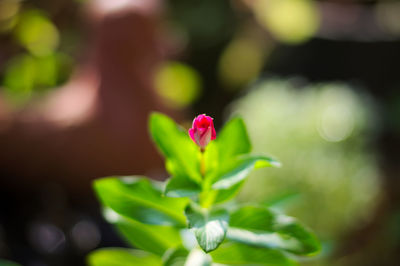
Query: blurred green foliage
x=36, y=33
x=321, y=134
x=121, y=257
x=8, y=263
x=27, y=75
x=42, y=66
x=206, y=22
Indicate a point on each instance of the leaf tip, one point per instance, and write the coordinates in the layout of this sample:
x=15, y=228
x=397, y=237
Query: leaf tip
x=276, y=164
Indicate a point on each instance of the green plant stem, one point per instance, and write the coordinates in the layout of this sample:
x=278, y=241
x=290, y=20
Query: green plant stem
x=206, y=197
x=202, y=164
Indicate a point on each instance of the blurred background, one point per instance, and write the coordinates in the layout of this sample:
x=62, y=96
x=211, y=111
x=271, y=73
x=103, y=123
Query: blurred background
x=317, y=83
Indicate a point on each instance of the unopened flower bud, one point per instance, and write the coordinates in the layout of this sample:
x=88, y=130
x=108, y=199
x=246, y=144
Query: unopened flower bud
x=202, y=131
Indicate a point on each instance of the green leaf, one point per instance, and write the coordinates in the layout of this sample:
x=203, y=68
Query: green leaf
x=122, y=257
x=153, y=238
x=283, y=199
x=240, y=254
x=227, y=194
x=239, y=169
x=209, y=226
x=233, y=140
x=138, y=199
x=175, y=257
x=183, y=156
x=181, y=187
x=211, y=158
x=228, y=164
x=218, y=196
x=197, y=257
x=265, y=240
x=253, y=218
x=260, y=227
x=308, y=243
x=156, y=239
x=8, y=263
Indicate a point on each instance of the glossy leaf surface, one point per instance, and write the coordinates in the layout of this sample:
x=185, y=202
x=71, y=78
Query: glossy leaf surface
x=181, y=153
x=258, y=226
x=122, y=257
x=240, y=254
x=209, y=226
x=239, y=169
x=181, y=187
x=156, y=239
x=138, y=199
x=175, y=257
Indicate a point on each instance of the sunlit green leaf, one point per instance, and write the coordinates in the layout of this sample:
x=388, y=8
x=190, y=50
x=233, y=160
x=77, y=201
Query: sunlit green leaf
x=233, y=140
x=181, y=187
x=240, y=254
x=266, y=240
x=138, y=199
x=227, y=194
x=153, y=238
x=181, y=153
x=290, y=227
x=211, y=158
x=253, y=217
x=239, y=169
x=283, y=199
x=260, y=227
x=218, y=196
x=122, y=257
x=209, y=226
x=197, y=257
x=175, y=257
x=229, y=159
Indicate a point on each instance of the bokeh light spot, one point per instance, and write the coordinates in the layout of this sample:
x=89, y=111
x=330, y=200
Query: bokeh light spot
x=85, y=235
x=241, y=62
x=337, y=115
x=387, y=15
x=290, y=21
x=8, y=14
x=46, y=238
x=8, y=9
x=19, y=78
x=336, y=124
x=26, y=75
x=37, y=33
x=178, y=84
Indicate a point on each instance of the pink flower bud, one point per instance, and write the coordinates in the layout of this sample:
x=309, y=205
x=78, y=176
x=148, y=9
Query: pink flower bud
x=202, y=131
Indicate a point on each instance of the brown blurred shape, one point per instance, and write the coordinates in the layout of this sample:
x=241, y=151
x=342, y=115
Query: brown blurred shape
x=96, y=125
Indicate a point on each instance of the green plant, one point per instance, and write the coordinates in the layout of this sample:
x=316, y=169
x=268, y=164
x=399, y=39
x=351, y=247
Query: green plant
x=7, y=263
x=192, y=219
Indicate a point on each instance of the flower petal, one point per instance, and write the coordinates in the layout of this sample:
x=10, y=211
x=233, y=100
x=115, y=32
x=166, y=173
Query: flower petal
x=191, y=134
